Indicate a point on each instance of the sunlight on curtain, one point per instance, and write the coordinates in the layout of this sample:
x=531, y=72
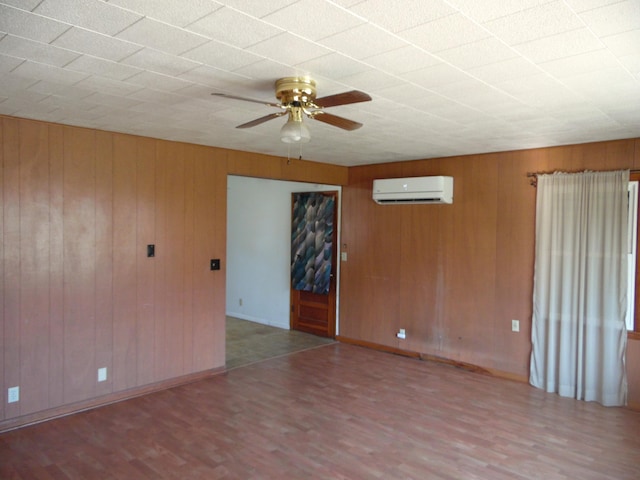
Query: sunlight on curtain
x=580, y=286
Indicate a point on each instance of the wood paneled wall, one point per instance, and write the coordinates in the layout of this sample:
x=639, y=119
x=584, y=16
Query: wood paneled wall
x=79, y=207
x=454, y=276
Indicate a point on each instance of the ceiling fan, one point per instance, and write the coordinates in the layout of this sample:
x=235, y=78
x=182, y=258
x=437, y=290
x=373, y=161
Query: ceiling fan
x=297, y=96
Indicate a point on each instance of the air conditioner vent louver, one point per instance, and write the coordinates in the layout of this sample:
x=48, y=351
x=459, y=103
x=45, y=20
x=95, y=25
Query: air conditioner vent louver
x=413, y=190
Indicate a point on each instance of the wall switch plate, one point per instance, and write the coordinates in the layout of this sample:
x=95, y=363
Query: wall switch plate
x=151, y=251
x=515, y=325
x=343, y=256
x=102, y=374
x=13, y=395
x=401, y=334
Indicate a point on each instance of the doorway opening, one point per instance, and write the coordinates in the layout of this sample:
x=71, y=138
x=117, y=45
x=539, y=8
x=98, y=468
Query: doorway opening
x=258, y=269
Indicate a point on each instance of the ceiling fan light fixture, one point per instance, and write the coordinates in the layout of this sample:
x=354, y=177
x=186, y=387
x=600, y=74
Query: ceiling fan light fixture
x=295, y=131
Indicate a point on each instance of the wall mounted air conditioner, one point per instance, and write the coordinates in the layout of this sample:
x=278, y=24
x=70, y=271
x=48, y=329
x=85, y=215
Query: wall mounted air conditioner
x=412, y=190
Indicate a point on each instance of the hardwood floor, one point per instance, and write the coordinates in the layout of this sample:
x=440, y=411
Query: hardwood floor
x=334, y=412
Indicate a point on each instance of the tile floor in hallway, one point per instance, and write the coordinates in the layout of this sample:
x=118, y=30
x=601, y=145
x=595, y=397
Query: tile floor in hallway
x=250, y=342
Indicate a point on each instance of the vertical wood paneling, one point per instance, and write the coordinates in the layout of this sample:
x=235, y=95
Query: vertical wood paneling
x=145, y=267
x=214, y=334
x=124, y=263
x=208, y=294
x=34, y=260
x=103, y=197
x=56, y=267
x=190, y=154
x=161, y=260
x=175, y=256
x=11, y=280
x=79, y=263
x=515, y=242
x=104, y=260
x=480, y=260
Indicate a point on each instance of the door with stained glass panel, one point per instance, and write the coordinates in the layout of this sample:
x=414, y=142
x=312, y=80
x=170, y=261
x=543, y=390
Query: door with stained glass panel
x=313, y=257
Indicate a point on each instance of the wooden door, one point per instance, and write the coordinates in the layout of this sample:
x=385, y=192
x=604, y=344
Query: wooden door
x=313, y=257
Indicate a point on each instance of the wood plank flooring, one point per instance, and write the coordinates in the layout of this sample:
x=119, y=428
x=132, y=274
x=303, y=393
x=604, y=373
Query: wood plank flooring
x=334, y=412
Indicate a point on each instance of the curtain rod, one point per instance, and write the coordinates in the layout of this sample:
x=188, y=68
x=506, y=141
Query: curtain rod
x=533, y=176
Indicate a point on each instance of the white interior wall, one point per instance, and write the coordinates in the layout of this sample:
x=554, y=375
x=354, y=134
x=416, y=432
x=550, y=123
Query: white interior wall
x=259, y=247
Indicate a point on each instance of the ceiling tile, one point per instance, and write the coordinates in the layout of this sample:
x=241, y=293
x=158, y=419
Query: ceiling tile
x=326, y=21
x=511, y=68
x=96, y=44
x=564, y=44
x=584, y=5
x=612, y=19
x=482, y=52
x=289, y=49
x=394, y=17
x=8, y=63
x=258, y=9
x=11, y=84
x=334, y=65
x=155, y=61
x=161, y=36
x=111, y=100
x=36, y=51
x=72, y=92
x=578, y=64
x=370, y=81
x=233, y=27
x=179, y=13
x=363, y=41
x=266, y=71
x=158, y=81
x=23, y=4
x=107, y=85
x=440, y=74
x=537, y=22
x=402, y=60
x=222, y=56
x=39, y=71
x=27, y=25
x=484, y=10
x=90, y=14
x=213, y=78
x=609, y=86
x=104, y=68
x=632, y=63
x=507, y=73
x=623, y=44
x=444, y=33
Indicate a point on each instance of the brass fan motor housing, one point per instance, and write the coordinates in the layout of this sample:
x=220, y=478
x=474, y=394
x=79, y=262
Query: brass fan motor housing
x=296, y=89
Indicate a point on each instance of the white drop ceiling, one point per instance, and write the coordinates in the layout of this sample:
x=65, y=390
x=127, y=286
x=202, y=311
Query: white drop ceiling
x=447, y=77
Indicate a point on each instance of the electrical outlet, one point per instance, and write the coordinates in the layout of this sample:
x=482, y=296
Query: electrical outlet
x=13, y=395
x=515, y=325
x=102, y=374
x=401, y=334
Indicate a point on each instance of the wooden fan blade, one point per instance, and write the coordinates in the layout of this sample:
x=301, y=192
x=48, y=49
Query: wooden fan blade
x=336, y=121
x=244, y=99
x=260, y=120
x=354, y=96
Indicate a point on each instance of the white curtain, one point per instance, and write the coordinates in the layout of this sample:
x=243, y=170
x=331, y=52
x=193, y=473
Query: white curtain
x=580, y=286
